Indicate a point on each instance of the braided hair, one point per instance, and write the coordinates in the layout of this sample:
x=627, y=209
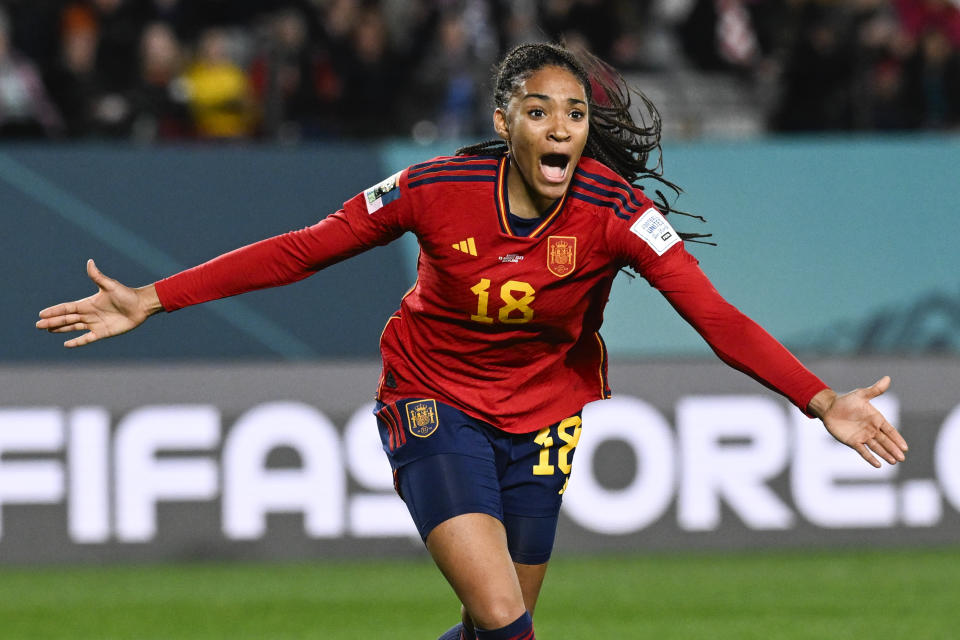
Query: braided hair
x=614, y=138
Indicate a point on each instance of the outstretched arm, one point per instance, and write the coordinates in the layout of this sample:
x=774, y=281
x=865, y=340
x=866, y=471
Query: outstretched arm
x=744, y=345
x=272, y=262
x=114, y=309
x=851, y=419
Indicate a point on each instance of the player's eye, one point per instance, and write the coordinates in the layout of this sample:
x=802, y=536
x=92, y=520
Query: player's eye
x=576, y=114
x=536, y=112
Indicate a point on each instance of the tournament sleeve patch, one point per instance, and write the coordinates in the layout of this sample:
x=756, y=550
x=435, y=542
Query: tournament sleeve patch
x=382, y=193
x=654, y=229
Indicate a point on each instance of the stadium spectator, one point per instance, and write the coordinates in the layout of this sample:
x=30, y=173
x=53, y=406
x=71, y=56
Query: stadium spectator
x=183, y=16
x=371, y=74
x=450, y=76
x=159, y=99
x=25, y=109
x=816, y=92
x=95, y=103
x=520, y=23
x=590, y=23
x=808, y=65
x=73, y=81
x=339, y=18
x=218, y=91
x=720, y=35
x=876, y=81
x=119, y=25
x=922, y=16
x=931, y=81
x=889, y=105
x=294, y=79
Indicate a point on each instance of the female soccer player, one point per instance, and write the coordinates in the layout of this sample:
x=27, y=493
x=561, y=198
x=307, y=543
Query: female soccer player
x=495, y=351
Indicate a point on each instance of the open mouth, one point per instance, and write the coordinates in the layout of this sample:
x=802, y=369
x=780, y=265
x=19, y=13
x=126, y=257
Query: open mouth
x=553, y=166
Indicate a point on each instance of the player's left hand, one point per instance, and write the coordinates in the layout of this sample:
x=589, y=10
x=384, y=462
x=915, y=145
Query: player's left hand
x=851, y=419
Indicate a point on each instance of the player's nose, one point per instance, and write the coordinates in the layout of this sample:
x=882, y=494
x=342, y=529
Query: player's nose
x=558, y=131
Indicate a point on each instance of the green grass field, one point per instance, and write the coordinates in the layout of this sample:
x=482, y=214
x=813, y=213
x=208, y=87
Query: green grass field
x=769, y=595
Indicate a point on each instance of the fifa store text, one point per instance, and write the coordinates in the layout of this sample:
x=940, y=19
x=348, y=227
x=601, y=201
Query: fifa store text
x=748, y=461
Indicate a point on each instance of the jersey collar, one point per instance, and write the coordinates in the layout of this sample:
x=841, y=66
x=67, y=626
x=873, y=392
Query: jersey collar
x=503, y=204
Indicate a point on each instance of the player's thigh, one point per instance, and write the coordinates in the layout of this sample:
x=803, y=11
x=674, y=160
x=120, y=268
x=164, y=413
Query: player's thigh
x=471, y=552
x=444, y=466
x=443, y=486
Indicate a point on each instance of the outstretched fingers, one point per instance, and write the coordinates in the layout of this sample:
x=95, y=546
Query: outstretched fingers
x=67, y=328
x=891, y=432
x=79, y=341
x=885, y=442
x=879, y=447
x=866, y=455
x=890, y=450
x=69, y=317
x=69, y=323
x=58, y=316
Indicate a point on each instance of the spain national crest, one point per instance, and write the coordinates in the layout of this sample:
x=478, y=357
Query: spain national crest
x=561, y=255
x=422, y=419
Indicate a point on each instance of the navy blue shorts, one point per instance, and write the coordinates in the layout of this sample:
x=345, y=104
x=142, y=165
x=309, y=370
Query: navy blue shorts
x=446, y=463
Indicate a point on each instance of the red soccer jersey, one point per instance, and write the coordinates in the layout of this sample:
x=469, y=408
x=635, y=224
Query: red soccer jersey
x=502, y=326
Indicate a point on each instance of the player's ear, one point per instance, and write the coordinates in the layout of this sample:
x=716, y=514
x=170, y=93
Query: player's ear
x=500, y=124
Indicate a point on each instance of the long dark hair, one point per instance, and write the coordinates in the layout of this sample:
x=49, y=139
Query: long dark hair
x=614, y=139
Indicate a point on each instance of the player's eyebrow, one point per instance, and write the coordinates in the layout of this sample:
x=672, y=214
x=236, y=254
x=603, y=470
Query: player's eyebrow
x=545, y=97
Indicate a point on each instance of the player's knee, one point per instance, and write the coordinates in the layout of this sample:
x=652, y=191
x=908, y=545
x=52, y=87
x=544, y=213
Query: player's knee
x=496, y=612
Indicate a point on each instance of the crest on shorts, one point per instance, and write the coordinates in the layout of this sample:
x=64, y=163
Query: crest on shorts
x=422, y=418
x=561, y=255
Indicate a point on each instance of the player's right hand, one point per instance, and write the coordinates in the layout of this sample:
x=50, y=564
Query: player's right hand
x=854, y=421
x=114, y=309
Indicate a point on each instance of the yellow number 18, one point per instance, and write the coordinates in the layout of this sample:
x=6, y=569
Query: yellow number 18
x=514, y=310
x=569, y=432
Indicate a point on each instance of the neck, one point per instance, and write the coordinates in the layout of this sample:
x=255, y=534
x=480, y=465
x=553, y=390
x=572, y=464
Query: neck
x=524, y=202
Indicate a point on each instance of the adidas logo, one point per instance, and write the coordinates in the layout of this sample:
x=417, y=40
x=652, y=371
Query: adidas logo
x=466, y=246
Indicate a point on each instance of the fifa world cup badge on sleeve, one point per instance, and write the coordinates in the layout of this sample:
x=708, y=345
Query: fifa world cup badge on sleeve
x=654, y=229
x=561, y=255
x=382, y=193
x=422, y=419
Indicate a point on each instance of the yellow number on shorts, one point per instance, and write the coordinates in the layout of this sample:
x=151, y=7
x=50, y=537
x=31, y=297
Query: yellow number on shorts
x=569, y=432
x=570, y=441
x=543, y=467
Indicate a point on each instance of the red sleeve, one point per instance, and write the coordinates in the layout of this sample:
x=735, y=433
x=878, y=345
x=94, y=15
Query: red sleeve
x=375, y=217
x=735, y=338
x=649, y=244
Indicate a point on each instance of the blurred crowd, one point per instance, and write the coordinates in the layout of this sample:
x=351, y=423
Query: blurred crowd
x=287, y=70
